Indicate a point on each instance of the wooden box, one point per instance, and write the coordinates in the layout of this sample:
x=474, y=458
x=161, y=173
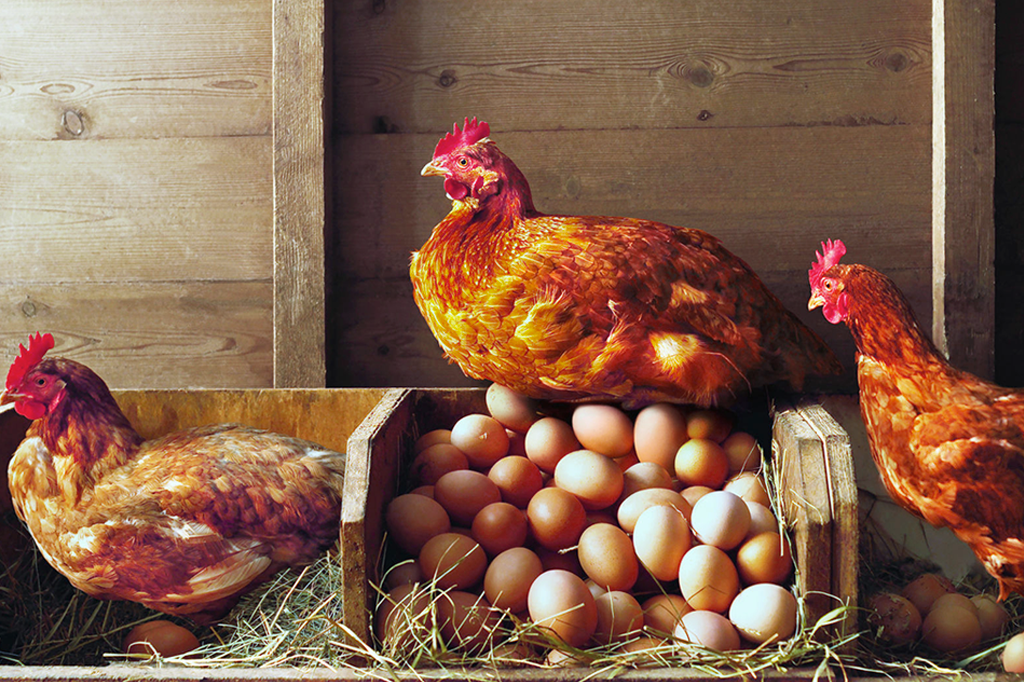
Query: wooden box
x=811, y=453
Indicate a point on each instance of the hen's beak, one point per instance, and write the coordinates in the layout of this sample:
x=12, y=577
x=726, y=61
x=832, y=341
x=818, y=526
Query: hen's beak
x=816, y=301
x=431, y=169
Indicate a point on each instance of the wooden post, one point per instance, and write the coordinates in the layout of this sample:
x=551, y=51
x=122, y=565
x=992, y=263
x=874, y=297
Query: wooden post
x=963, y=168
x=299, y=358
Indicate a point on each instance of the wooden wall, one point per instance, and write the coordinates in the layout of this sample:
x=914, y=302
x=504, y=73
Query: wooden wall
x=137, y=185
x=772, y=125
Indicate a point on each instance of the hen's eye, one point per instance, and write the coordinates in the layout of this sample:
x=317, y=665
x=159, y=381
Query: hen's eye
x=463, y=162
x=827, y=284
x=40, y=381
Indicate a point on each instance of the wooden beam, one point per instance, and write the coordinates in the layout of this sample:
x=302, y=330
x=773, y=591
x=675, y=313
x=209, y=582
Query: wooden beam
x=963, y=169
x=298, y=194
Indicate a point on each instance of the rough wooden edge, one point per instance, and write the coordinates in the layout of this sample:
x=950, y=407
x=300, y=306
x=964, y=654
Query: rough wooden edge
x=359, y=470
x=799, y=459
x=299, y=345
x=963, y=175
x=842, y=492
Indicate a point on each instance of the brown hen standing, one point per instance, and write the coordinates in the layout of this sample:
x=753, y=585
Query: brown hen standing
x=594, y=308
x=185, y=524
x=949, y=446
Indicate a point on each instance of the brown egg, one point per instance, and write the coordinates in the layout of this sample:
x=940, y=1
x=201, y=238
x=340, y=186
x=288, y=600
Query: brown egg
x=606, y=556
x=517, y=478
x=663, y=612
x=645, y=475
x=619, y=617
x=701, y=462
x=895, y=618
x=692, y=493
x=556, y=518
x=548, y=440
x=481, y=438
x=403, y=573
x=720, y=519
x=762, y=520
x=925, y=589
x=467, y=621
x=748, y=486
x=516, y=443
x=712, y=425
x=509, y=577
x=764, y=613
x=626, y=461
x=594, y=478
x=764, y=558
x=659, y=432
x=464, y=493
x=160, y=636
x=642, y=645
x=1013, y=654
x=708, y=579
x=425, y=490
x=514, y=410
x=633, y=506
x=404, y=617
x=453, y=560
x=661, y=537
x=742, y=451
x=432, y=438
x=435, y=461
x=499, y=526
x=991, y=614
x=709, y=629
x=565, y=560
x=953, y=628
x=413, y=519
x=604, y=429
x=561, y=602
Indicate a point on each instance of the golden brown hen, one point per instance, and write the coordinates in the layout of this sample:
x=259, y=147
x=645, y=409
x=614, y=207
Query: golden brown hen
x=184, y=524
x=948, y=445
x=594, y=308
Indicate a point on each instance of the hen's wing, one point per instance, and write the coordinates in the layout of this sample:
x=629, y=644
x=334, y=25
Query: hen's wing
x=624, y=309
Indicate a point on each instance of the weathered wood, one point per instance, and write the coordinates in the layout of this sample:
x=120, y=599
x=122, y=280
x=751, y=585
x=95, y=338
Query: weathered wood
x=298, y=194
x=125, y=69
x=149, y=335
x=136, y=210
x=537, y=65
x=963, y=167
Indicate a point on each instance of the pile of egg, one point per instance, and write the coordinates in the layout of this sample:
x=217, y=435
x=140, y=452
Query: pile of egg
x=929, y=609
x=567, y=524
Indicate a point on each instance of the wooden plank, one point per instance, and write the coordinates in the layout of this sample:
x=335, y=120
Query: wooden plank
x=963, y=166
x=772, y=195
x=299, y=353
x=798, y=467
x=136, y=210
x=121, y=68
x=842, y=499
x=589, y=65
x=150, y=335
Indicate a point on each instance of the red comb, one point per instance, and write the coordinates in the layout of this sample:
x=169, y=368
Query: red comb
x=37, y=347
x=831, y=252
x=471, y=133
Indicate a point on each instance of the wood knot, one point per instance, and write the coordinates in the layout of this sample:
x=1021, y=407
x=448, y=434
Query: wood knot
x=573, y=186
x=447, y=79
x=72, y=122
x=700, y=76
x=28, y=308
x=896, y=62
x=704, y=115
x=378, y=6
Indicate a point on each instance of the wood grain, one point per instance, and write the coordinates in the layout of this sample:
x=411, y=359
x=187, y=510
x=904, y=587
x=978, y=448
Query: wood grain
x=299, y=352
x=536, y=65
x=137, y=70
x=963, y=177
x=136, y=210
x=150, y=335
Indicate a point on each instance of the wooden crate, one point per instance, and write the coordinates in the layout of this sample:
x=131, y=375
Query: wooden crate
x=162, y=188
x=811, y=450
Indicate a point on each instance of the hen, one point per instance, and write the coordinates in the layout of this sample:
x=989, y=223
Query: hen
x=184, y=524
x=948, y=445
x=594, y=308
